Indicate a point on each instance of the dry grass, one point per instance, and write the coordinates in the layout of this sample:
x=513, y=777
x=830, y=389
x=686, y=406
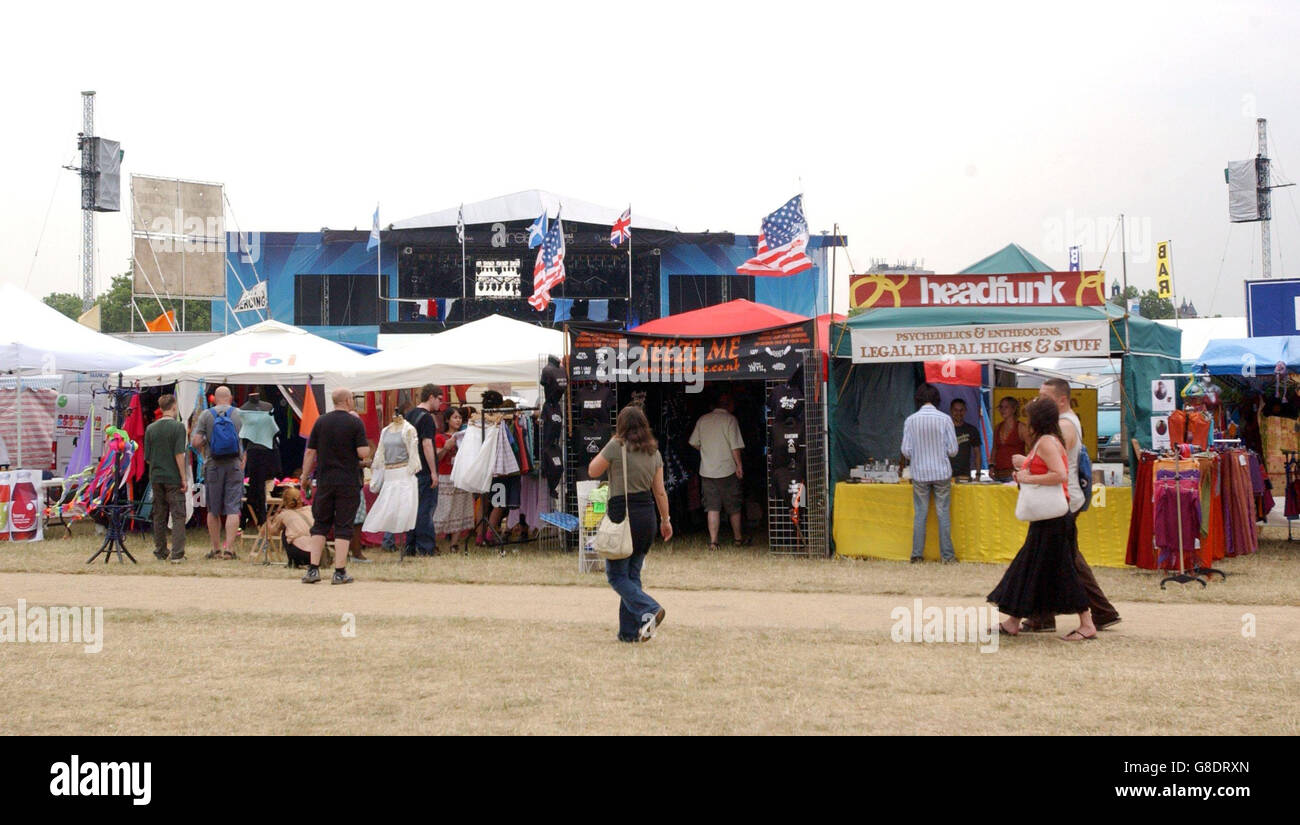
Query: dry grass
x=1269, y=577
x=216, y=672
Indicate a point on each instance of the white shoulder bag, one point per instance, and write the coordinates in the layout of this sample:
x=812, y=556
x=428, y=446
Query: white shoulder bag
x=614, y=541
x=1040, y=502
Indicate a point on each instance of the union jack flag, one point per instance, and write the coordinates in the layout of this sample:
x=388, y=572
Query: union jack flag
x=782, y=243
x=548, y=272
x=622, y=229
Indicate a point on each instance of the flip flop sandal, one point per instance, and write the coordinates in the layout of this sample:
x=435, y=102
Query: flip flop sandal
x=713, y=545
x=745, y=542
x=1002, y=631
x=1082, y=638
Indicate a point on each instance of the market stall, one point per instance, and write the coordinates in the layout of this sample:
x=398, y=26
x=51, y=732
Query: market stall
x=984, y=317
x=766, y=359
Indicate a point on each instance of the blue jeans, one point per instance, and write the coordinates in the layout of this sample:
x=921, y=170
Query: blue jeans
x=624, y=575
x=421, y=539
x=921, y=511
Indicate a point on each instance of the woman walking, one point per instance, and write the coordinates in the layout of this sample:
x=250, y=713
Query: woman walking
x=1041, y=580
x=454, y=515
x=633, y=451
x=1009, y=439
x=392, y=474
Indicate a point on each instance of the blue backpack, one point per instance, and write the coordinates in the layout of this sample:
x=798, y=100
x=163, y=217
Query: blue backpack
x=1085, y=477
x=225, y=439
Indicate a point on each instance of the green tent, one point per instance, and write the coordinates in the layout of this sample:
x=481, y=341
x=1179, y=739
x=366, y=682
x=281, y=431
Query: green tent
x=1010, y=259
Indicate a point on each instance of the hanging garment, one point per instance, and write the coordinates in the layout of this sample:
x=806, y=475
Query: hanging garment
x=134, y=427
x=1141, y=545
x=1177, y=519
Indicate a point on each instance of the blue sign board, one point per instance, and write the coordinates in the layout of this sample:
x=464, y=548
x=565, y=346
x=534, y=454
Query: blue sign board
x=1273, y=307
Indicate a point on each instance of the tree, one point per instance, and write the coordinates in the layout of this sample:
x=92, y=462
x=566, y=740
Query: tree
x=115, y=308
x=1150, y=305
x=65, y=302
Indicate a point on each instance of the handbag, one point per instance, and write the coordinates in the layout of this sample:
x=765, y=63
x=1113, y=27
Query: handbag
x=614, y=540
x=1040, y=502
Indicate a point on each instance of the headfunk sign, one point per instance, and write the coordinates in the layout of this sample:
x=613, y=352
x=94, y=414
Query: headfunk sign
x=1026, y=289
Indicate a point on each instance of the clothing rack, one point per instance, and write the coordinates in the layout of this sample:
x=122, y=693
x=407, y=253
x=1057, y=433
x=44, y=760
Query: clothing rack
x=1182, y=576
x=1292, y=468
x=483, y=500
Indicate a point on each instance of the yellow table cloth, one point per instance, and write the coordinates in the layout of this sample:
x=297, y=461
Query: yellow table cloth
x=875, y=521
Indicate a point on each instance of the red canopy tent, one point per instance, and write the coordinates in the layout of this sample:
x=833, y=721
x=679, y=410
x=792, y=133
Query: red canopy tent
x=732, y=318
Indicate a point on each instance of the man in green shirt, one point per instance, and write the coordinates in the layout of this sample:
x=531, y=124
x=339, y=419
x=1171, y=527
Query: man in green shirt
x=164, y=452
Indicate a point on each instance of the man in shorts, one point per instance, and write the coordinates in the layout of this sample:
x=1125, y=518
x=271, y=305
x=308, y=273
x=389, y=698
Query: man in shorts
x=717, y=437
x=335, y=450
x=223, y=470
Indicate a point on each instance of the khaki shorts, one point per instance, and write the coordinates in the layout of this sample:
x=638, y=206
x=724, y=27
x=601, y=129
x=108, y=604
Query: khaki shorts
x=719, y=494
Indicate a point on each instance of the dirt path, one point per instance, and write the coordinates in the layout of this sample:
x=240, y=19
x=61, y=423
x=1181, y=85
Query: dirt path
x=700, y=609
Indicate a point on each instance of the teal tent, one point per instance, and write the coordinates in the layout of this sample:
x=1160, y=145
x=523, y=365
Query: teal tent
x=1010, y=259
x=869, y=402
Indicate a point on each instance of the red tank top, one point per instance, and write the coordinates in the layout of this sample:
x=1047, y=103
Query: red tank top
x=1005, y=448
x=1038, y=467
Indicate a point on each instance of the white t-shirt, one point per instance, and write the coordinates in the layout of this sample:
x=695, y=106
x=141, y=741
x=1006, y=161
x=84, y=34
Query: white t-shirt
x=716, y=434
x=1076, y=491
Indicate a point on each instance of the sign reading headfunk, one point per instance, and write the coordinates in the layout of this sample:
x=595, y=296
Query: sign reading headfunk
x=1026, y=289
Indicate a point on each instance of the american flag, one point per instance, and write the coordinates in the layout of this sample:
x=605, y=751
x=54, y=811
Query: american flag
x=548, y=272
x=782, y=243
x=622, y=229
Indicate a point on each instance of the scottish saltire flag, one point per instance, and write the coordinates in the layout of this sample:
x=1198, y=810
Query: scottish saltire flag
x=537, y=232
x=622, y=229
x=782, y=243
x=548, y=272
x=1076, y=257
x=460, y=223
x=374, y=232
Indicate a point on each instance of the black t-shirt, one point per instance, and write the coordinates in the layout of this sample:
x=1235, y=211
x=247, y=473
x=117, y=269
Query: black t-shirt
x=968, y=436
x=553, y=382
x=425, y=427
x=594, y=403
x=335, y=438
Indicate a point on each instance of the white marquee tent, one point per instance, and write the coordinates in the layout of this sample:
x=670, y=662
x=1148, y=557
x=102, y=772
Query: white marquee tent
x=35, y=337
x=495, y=349
x=265, y=353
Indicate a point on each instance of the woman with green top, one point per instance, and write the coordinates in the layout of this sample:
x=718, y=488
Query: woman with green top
x=634, y=453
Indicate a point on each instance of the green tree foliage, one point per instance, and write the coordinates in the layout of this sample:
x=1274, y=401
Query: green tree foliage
x=116, y=312
x=65, y=302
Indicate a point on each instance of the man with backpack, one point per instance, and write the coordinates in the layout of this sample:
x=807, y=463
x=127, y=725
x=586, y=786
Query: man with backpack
x=425, y=419
x=216, y=434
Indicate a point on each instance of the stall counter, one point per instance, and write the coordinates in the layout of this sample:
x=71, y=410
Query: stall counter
x=875, y=521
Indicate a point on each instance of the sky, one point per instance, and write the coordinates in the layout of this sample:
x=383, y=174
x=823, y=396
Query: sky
x=934, y=131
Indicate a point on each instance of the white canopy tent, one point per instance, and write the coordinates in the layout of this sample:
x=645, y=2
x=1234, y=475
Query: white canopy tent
x=35, y=337
x=495, y=349
x=39, y=344
x=269, y=352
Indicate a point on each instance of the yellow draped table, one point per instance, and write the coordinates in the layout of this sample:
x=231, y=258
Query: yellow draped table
x=875, y=521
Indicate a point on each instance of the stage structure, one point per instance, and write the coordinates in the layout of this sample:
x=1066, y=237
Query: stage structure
x=178, y=246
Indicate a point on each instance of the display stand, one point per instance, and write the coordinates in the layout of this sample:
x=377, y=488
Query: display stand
x=1182, y=576
x=115, y=524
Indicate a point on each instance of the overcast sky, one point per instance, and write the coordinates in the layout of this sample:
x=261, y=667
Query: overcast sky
x=934, y=131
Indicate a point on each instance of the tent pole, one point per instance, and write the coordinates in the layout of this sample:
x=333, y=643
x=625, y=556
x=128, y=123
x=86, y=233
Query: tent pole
x=18, y=410
x=1123, y=362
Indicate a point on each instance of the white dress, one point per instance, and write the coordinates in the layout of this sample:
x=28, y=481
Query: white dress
x=395, y=510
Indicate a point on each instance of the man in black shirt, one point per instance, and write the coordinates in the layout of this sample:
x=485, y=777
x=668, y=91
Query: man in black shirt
x=968, y=441
x=336, y=448
x=424, y=418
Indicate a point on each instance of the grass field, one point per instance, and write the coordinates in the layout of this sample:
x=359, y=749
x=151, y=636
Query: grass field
x=747, y=649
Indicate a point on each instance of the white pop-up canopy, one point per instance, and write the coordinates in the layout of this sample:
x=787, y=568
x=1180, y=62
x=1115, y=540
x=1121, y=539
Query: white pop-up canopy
x=266, y=353
x=495, y=349
x=35, y=337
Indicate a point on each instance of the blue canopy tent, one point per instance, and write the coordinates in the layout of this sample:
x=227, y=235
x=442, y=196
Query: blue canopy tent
x=1250, y=357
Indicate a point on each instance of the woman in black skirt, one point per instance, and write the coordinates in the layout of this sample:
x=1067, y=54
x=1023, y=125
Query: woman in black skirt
x=1041, y=580
x=638, y=614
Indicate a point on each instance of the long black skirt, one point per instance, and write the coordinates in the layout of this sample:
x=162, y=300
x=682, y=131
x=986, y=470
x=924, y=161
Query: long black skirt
x=1041, y=579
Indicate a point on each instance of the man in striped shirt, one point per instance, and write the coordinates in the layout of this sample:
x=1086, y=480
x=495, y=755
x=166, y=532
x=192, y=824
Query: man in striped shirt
x=929, y=441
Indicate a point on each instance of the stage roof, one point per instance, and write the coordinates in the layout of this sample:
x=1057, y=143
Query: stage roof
x=528, y=205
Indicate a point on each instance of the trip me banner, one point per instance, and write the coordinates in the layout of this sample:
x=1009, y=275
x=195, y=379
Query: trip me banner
x=611, y=355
